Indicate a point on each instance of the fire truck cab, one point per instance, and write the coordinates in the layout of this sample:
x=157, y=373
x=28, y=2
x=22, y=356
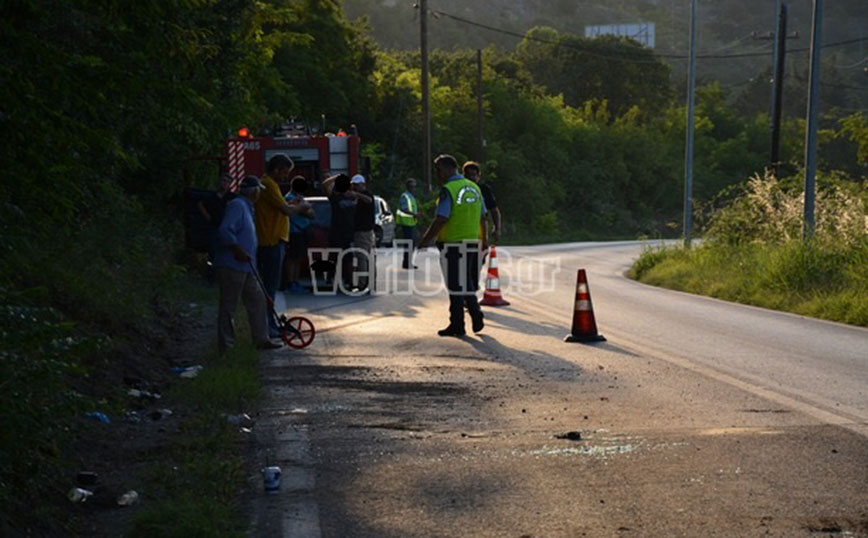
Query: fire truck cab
x=315, y=156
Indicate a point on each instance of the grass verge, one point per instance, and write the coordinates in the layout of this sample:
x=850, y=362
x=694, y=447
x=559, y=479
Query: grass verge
x=804, y=278
x=199, y=475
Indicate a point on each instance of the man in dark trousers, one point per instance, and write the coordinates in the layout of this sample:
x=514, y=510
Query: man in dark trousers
x=343, y=200
x=272, y=227
x=457, y=226
x=473, y=172
x=363, y=238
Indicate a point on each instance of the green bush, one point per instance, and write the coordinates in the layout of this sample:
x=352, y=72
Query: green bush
x=754, y=253
x=198, y=477
x=648, y=259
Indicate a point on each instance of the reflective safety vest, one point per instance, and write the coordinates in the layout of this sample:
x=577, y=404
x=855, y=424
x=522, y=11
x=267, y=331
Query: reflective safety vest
x=407, y=219
x=463, y=223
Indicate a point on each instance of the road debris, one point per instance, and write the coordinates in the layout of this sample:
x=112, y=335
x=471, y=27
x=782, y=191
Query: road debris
x=188, y=372
x=79, y=495
x=136, y=393
x=242, y=419
x=271, y=478
x=129, y=498
x=86, y=478
x=101, y=417
x=160, y=414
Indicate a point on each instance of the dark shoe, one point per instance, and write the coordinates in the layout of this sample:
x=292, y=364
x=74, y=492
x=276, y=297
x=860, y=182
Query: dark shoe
x=269, y=345
x=478, y=323
x=407, y=266
x=451, y=331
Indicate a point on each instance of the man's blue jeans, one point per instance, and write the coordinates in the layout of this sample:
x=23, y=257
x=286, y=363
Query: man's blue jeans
x=270, y=261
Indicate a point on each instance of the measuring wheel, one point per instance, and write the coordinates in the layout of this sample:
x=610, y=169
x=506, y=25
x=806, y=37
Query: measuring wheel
x=297, y=331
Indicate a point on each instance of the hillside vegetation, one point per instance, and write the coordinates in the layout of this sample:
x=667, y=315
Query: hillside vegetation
x=724, y=28
x=108, y=107
x=753, y=252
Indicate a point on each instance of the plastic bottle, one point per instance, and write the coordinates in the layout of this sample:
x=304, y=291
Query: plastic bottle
x=96, y=415
x=79, y=495
x=129, y=498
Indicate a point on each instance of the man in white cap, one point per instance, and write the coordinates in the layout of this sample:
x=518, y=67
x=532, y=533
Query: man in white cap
x=235, y=258
x=363, y=238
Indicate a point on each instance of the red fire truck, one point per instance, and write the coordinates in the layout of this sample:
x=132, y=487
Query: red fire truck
x=315, y=156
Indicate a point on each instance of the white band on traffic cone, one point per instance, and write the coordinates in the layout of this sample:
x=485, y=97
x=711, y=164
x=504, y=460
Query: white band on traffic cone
x=583, y=305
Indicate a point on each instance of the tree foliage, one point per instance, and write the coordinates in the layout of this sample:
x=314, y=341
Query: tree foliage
x=620, y=70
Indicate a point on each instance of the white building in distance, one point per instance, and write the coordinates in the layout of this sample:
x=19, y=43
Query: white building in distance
x=643, y=32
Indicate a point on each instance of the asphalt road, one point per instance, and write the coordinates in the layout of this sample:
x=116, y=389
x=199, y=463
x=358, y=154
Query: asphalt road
x=696, y=418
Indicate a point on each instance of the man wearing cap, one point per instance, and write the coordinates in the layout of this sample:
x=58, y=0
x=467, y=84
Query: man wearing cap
x=456, y=226
x=272, y=227
x=344, y=200
x=234, y=259
x=407, y=218
x=363, y=238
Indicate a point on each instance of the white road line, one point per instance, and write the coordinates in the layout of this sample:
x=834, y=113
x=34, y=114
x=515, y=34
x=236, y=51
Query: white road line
x=848, y=417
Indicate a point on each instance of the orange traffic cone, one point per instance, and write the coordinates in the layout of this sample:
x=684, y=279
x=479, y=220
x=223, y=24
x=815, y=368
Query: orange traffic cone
x=492, y=295
x=584, y=326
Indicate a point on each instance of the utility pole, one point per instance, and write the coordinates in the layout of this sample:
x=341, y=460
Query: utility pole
x=480, y=138
x=688, y=158
x=778, y=87
x=426, y=112
x=812, y=112
x=776, y=36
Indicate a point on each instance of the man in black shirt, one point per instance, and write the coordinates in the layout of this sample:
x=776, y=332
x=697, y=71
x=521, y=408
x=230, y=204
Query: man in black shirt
x=212, y=208
x=345, y=202
x=473, y=172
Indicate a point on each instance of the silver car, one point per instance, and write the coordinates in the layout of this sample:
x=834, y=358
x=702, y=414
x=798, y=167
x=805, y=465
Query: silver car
x=384, y=223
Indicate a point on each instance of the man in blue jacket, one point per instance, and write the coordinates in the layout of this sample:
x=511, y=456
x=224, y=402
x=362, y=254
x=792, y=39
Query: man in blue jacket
x=235, y=258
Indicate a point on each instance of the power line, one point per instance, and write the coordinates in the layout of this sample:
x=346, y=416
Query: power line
x=537, y=39
x=671, y=56
x=833, y=85
x=852, y=66
x=845, y=87
x=803, y=49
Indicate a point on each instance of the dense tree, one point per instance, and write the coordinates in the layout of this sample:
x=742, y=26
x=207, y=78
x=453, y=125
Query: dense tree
x=616, y=69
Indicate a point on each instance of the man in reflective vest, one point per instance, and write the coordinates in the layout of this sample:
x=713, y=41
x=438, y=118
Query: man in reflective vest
x=456, y=226
x=407, y=218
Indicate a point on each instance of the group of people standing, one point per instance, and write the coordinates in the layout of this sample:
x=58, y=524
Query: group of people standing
x=259, y=226
x=262, y=234
x=250, y=238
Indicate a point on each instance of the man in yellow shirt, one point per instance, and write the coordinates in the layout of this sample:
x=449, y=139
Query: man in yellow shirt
x=272, y=226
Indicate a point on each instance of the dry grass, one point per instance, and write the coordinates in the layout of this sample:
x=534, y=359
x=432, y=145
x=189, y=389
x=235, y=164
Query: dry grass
x=754, y=254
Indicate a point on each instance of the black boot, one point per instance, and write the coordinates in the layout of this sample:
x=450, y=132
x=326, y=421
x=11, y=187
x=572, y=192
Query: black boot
x=452, y=331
